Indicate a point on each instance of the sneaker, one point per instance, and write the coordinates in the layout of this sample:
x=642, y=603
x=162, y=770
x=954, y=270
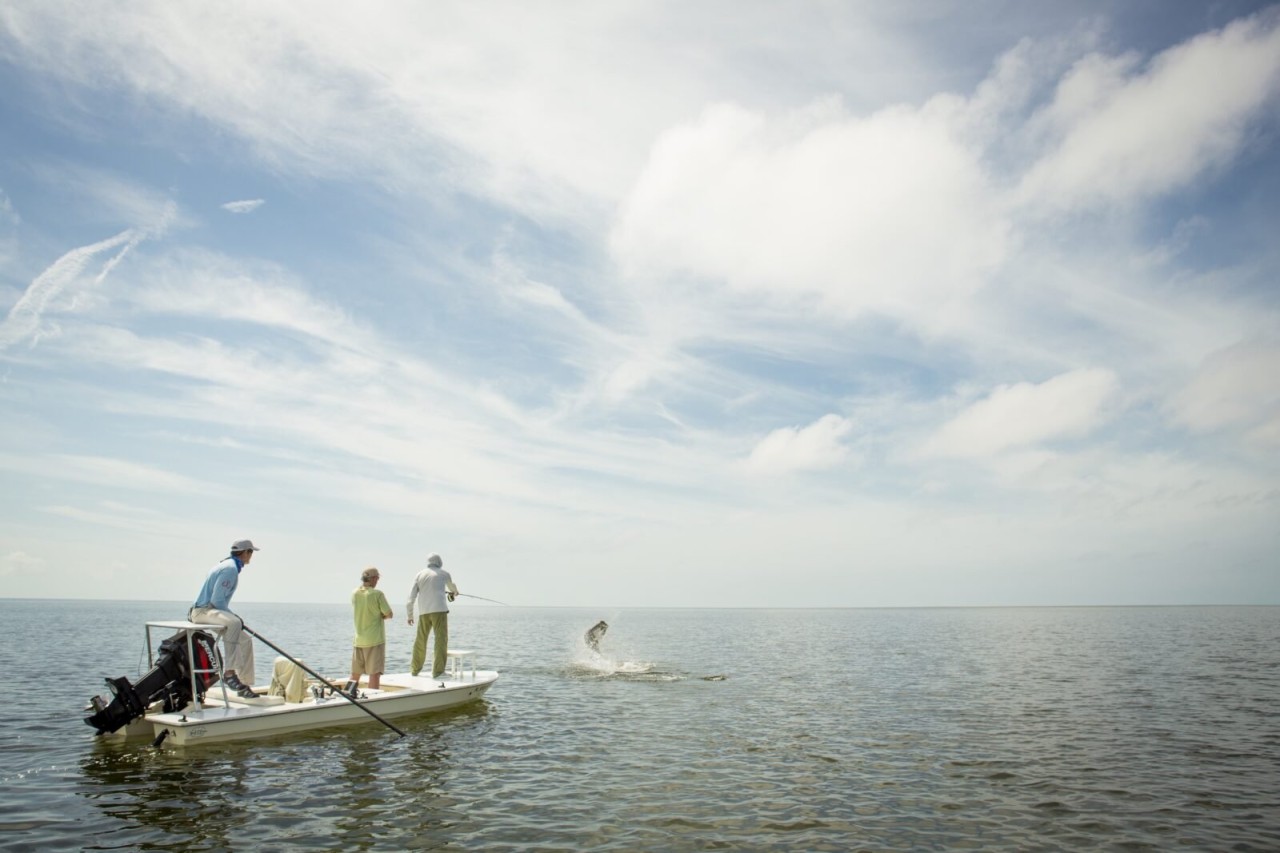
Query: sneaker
x=244, y=691
x=233, y=682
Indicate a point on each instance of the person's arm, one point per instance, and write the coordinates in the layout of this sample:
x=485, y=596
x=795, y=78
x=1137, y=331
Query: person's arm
x=386, y=606
x=413, y=595
x=452, y=588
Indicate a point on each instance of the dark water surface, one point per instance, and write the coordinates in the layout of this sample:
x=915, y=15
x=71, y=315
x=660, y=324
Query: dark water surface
x=946, y=729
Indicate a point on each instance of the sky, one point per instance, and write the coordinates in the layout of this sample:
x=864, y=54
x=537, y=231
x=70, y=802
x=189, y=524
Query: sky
x=725, y=304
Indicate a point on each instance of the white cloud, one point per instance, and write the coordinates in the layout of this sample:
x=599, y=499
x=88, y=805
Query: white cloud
x=1237, y=387
x=9, y=222
x=1067, y=406
x=7, y=211
x=24, y=318
x=405, y=97
x=109, y=198
x=246, y=206
x=58, y=287
x=818, y=204
x=814, y=447
x=1120, y=132
x=20, y=563
x=103, y=471
x=197, y=283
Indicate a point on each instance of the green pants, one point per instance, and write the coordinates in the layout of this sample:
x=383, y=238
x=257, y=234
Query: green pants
x=439, y=622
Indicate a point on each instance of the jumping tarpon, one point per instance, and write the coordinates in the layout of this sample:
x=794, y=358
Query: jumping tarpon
x=593, y=635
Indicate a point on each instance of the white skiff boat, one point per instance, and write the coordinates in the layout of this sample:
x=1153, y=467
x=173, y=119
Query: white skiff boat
x=181, y=703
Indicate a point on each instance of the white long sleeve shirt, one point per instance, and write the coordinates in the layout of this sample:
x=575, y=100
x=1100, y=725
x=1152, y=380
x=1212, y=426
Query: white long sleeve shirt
x=427, y=595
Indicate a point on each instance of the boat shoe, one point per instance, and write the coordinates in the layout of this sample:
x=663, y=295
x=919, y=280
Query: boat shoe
x=241, y=689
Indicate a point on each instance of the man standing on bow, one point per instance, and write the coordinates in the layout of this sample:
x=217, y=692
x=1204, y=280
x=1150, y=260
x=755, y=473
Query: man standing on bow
x=213, y=607
x=428, y=595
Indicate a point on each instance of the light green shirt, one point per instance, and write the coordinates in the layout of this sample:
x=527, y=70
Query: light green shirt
x=370, y=605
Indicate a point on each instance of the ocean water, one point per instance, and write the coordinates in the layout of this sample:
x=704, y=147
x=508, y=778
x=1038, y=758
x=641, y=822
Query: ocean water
x=894, y=729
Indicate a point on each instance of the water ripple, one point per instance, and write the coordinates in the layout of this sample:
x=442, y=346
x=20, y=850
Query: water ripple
x=1056, y=729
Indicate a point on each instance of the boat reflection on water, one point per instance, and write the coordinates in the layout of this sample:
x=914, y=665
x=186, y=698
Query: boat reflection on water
x=199, y=802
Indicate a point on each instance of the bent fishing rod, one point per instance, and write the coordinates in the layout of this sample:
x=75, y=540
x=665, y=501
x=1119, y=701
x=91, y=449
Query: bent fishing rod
x=490, y=600
x=322, y=679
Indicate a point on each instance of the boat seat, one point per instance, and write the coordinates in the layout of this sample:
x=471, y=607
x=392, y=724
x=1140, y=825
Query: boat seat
x=458, y=660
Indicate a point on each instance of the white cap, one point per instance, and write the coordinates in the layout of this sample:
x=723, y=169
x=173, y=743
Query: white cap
x=434, y=560
x=243, y=545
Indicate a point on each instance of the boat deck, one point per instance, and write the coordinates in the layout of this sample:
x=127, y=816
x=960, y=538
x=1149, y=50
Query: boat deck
x=234, y=718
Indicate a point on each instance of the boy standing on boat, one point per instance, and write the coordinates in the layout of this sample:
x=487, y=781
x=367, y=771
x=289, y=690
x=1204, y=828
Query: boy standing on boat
x=213, y=607
x=428, y=595
x=370, y=652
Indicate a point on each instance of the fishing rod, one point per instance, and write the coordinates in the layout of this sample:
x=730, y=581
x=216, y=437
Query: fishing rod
x=324, y=680
x=465, y=595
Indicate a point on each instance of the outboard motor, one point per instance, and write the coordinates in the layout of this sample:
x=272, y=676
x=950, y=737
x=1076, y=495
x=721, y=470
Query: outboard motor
x=169, y=679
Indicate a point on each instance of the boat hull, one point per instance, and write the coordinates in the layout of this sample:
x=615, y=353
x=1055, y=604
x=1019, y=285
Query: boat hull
x=402, y=695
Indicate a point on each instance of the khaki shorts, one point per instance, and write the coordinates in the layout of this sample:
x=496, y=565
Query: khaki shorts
x=370, y=661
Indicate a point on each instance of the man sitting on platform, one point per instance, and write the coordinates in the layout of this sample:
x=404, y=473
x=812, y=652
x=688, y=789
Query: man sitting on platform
x=213, y=607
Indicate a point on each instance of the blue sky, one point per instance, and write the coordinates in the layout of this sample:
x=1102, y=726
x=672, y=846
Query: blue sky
x=737, y=304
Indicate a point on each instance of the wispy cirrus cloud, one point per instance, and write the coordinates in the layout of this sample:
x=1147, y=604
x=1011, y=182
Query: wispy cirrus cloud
x=110, y=196
x=103, y=471
x=23, y=321
x=246, y=206
x=7, y=211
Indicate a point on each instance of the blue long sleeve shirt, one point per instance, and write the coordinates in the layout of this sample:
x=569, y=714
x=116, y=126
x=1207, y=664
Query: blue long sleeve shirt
x=220, y=585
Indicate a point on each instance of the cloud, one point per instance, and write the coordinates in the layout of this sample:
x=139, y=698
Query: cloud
x=107, y=198
x=9, y=222
x=148, y=521
x=7, y=212
x=1067, y=406
x=391, y=96
x=197, y=283
x=1237, y=387
x=1157, y=487
x=814, y=447
x=23, y=319
x=102, y=192
x=102, y=471
x=1120, y=132
x=247, y=206
x=817, y=204
x=20, y=563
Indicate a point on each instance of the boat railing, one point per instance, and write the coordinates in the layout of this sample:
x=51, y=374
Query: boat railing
x=188, y=630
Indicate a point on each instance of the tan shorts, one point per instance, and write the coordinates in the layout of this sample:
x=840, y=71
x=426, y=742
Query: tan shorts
x=370, y=661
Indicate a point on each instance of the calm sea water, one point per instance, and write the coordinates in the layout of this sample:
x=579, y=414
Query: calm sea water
x=946, y=729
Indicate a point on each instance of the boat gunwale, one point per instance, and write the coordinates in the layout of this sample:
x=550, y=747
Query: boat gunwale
x=244, y=711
